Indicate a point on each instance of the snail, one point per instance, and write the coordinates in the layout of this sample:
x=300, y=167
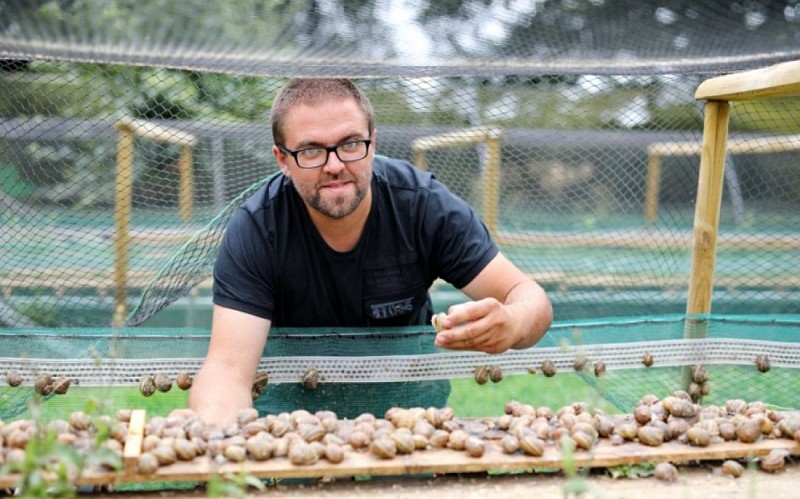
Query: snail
x=61, y=385
x=438, y=321
x=14, y=378
x=184, y=381
x=147, y=385
x=310, y=378
x=481, y=375
x=548, y=368
x=762, y=363
x=666, y=472
x=163, y=382
x=647, y=359
x=259, y=384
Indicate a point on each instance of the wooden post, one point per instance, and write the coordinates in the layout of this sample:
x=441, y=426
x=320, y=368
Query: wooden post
x=709, y=199
x=122, y=213
x=419, y=160
x=653, y=187
x=491, y=193
x=186, y=181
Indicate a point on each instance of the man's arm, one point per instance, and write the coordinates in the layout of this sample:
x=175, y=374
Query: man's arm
x=510, y=311
x=224, y=383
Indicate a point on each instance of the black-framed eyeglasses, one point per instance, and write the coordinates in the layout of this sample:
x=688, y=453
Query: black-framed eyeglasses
x=315, y=157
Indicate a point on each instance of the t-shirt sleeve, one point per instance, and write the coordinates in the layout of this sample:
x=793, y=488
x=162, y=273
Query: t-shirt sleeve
x=462, y=245
x=242, y=270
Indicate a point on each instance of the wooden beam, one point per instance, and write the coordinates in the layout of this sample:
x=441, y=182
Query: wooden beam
x=779, y=80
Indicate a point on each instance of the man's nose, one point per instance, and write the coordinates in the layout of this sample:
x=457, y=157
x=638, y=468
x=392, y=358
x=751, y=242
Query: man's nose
x=334, y=164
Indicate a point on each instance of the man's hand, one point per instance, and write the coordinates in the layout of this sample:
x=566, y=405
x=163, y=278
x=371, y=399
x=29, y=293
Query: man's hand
x=510, y=311
x=485, y=325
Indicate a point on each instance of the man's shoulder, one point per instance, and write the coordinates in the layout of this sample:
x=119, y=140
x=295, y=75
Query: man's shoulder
x=399, y=174
x=272, y=189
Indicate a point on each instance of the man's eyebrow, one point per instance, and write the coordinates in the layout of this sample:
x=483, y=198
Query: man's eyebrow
x=313, y=143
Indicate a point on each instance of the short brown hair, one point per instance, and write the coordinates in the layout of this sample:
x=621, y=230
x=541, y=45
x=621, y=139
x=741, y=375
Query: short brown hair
x=311, y=91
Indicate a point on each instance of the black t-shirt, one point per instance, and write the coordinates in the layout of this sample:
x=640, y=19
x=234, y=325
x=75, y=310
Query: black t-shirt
x=274, y=264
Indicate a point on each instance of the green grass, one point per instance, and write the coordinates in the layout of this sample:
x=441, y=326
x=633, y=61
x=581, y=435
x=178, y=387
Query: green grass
x=617, y=391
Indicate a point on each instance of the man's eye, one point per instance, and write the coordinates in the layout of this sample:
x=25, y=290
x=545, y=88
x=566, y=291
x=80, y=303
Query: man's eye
x=349, y=146
x=311, y=153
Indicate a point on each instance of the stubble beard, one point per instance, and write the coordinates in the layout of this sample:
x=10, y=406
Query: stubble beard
x=339, y=206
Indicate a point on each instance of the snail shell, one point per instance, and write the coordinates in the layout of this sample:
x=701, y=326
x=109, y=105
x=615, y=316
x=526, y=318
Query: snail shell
x=666, y=472
x=80, y=421
x=458, y=439
x=748, y=431
x=259, y=384
x=147, y=463
x=184, y=381
x=358, y=439
x=310, y=378
x=13, y=378
x=61, y=385
x=531, y=444
x=246, y=415
x=481, y=375
x=185, y=450
x=403, y=441
x=147, y=385
x=260, y=448
x=599, y=368
x=439, y=438
x=334, y=453
x=438, y=321
x=650, y=435
x=698, y=436
x=580, y=363
x=163, y=382
x=383, y=447
x=762, y=363
x=165, y=454
x=474, y=446
x=548, y=368
x=699, y=374
x=495, y=374
x=43, y=384
x=774, y=461
x=732, y=468
x=510, y=444
x=235, y=453
x=647, y=359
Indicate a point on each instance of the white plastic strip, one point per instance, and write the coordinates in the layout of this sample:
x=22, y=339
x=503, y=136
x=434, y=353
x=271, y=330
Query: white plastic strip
x=119, y=372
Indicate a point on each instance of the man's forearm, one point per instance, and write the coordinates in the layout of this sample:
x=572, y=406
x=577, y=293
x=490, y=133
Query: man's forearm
x=215, y=398
x=532, y=311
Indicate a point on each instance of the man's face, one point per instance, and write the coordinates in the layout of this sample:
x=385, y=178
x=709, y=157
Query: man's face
x=335, y=189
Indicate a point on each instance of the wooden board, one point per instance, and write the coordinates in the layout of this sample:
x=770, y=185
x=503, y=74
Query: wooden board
x=444, y=461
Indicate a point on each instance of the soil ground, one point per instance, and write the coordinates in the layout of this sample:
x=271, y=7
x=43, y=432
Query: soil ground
x=701, y=481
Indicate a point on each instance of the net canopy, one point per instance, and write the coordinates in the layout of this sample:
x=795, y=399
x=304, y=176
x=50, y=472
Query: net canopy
x=379, y=38
x=131, y=132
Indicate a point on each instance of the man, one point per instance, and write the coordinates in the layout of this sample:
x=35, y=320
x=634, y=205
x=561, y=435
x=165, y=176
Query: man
x=343, y=238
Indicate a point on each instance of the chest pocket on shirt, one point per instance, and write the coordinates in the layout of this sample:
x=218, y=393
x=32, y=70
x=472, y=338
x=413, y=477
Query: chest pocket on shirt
x=394, y=290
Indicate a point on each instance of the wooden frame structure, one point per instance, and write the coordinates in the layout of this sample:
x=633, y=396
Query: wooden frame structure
x=129, y=129
x=780, y=80
x=659, y=150
x=489, y=135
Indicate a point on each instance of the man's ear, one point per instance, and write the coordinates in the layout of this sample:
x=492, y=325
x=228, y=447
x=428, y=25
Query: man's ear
x=282, y=159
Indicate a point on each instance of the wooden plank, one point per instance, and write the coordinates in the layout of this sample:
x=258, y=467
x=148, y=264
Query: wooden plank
x=774, y=81
x=442, y=461
x=133, y=441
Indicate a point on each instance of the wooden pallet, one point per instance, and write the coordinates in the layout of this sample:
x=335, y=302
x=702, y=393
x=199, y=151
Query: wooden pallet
x=431, y=461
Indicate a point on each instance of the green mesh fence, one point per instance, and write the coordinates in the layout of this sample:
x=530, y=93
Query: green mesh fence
x=129, y=132
x=107, y=365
